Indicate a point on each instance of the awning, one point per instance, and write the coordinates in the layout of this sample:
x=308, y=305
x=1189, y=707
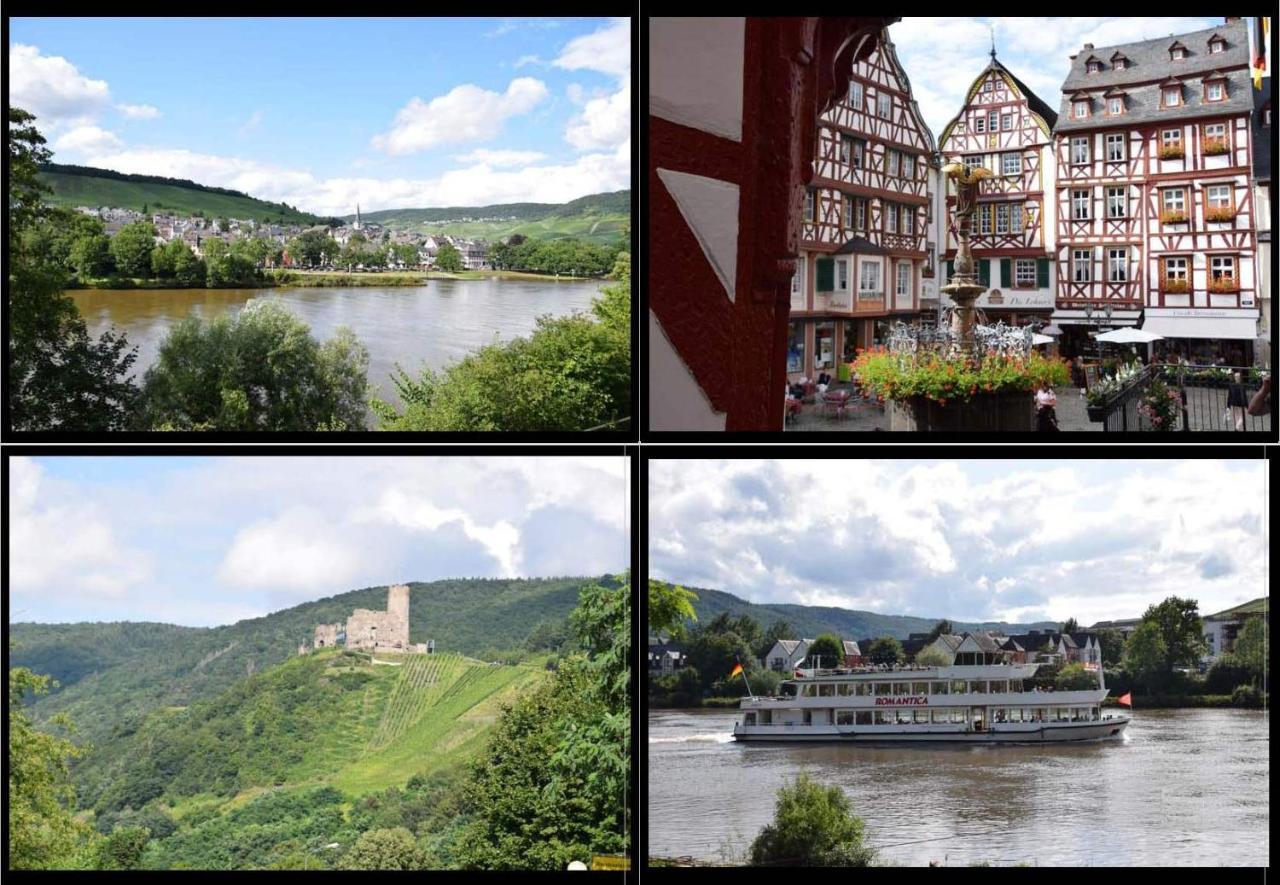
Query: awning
x=1203, y=327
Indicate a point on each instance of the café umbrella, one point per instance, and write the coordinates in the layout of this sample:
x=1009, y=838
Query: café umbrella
x=1130, y=335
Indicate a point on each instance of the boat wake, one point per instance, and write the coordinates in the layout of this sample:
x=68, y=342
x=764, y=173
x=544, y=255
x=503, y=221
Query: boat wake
x=715, y=737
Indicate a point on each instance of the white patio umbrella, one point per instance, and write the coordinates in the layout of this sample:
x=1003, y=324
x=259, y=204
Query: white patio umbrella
x=1130, y=335
x=1037, y=339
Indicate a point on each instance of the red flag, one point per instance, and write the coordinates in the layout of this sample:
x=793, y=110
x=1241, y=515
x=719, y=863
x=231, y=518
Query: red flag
x=737, y=668
x=1126, y=699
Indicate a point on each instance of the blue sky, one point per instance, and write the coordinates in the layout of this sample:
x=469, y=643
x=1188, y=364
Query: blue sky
x=1016, y=540
x=942, y=56
x=204, y=541
x=322, y=112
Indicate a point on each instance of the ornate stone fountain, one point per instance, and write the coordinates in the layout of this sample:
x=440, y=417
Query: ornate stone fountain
x=964, y=288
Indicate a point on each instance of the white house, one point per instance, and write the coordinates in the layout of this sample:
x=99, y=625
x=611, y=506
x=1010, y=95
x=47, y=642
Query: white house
x=786, y=654
x=1221, y=629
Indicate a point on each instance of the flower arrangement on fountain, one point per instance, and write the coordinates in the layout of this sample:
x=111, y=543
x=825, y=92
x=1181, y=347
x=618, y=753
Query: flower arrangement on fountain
x=1160, y=405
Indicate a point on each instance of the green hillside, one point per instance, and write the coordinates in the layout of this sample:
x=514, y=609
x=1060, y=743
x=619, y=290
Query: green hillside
x=598, y=218
x=84, y=186
x=112, y=675
x=811, y=621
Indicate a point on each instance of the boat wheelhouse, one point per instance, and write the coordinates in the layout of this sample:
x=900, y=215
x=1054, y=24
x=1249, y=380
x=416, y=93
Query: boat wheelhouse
x=984, y=703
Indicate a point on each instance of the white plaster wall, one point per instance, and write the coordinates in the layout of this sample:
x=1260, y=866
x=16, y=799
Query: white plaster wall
x=676, y=401
x=695, y=72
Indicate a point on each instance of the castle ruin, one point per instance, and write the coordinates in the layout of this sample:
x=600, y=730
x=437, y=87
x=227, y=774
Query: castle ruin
x=374, y=630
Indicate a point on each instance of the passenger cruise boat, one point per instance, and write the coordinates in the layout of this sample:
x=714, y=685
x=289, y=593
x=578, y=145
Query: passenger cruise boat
x=982, y=703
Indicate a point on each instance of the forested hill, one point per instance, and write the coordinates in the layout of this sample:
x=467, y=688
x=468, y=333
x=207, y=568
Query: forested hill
x=92, y=187
x=618, y=201
x=809, y=621
x=116, y=673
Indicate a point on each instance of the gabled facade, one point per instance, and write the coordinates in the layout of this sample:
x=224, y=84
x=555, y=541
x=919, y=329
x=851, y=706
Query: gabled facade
x=1155, y=212
x=1005, y=128
x=864, y=253
x=1262, y=142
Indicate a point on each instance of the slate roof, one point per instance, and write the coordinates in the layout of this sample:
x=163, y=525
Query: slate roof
x=789, y=645
x=985, y=642
x=1149, y=64
x=1033, y=101
x=1261, y=134
x=860, y=246
x=953, y=641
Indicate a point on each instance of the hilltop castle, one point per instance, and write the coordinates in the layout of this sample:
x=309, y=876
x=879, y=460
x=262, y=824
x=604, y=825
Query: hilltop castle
x=374, y=630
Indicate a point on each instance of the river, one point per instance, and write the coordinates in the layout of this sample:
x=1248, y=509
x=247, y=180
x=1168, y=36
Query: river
x=1181, y=788
x=435, y=324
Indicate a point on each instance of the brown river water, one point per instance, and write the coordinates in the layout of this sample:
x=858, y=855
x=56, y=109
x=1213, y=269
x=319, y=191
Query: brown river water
x=432, y=325
x=1181, y=788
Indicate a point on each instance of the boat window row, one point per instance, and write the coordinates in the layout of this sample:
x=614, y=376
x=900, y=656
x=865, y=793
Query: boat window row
x=890, y=689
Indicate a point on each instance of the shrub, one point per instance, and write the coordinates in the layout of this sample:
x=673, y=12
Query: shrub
x=1226, y=673
x=813, y=826
x=1246, y=696
x=1074, y=677
x=1161, y=406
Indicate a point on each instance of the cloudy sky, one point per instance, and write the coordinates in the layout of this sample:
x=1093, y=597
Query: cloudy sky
x=324, y=113
x=967, y=540
x=206, y=541
x=942, y=56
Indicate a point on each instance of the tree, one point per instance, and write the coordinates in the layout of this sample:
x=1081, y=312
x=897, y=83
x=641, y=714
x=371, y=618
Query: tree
x=131, y=248
x=777, y=630
x=941, y=628
x=144, y=208
x=387, y=849
x=1112, y=643
x=123, y=849
x=1070, y=626
x=188, y=268
x=1146, y=655
x=929, y=656
x=1181, y=630
x=43, y=831
x=670, y=606
x=406, y=254
x=58, y=377
x=886, y=650
x=91, y=256
x=1227, y=672
x=448, y=259
x=1251, y=646
x=1074, y=677
x=813, y=826
x=259, y=370
x=827, y=650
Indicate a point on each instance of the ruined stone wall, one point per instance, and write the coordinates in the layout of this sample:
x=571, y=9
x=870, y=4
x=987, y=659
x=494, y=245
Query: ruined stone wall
x=374, y=629
x=398, y=602
x=326, y=635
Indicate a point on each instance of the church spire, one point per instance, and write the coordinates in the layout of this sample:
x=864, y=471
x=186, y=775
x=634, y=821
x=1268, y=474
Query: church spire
x=993, y=41
x=357, y=216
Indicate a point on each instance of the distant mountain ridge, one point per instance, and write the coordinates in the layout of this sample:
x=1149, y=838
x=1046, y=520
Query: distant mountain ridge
x=810, y=621
x=616, y=201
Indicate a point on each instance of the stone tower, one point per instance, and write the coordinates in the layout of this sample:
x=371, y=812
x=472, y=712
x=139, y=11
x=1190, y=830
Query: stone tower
x=398, y=602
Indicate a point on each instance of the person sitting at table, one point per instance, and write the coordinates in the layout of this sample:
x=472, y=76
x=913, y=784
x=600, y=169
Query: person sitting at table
x=824, y=378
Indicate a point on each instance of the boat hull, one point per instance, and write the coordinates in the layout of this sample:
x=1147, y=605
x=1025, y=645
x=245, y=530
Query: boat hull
x=1054, y=733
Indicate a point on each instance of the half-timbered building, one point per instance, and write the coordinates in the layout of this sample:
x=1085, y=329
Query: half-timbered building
x=1155, y=212
x=1262, y=206
x=1005, y=128
x=864, y=252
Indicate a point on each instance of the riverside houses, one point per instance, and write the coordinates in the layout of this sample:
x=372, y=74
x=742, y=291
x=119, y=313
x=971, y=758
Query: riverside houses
x=864, y=255
x=1155, y=208
x=1005, y=128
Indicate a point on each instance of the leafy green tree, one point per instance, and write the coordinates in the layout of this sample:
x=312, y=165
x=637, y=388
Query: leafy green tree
x=670, y=605
x=406, y=254
x=828, y=650
x=228, y=265
x=1146, y=655
x=58, y=377
x=131, y=248
x=391, y=849
x=259, y=370
x=448, y=259
x=1180, y=629
x=1074, y=677
x=813, y=826
x=929, y=656
x=91, y=256
x=1227, y=672
x=1246, y=696
x=144, y=208
x=777, y=630
x=941, y=628
x=714, y=654
x=885, y=650
x=1070, y=626
x=1251, y=648
x=43, y=831
x=123, y=849
x=188, y=268
x=307, y=247
x=1112, y=643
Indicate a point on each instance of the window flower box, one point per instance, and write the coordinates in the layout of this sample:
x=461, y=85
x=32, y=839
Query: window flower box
x=1172, y=152
x=1224, y=284
x=1215, y=146
x=1219, y=213
x=1174, y=216
x=1174, y=286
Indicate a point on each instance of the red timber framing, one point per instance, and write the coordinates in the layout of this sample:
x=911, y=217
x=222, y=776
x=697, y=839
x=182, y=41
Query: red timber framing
x=998, y=130
x=1142, y=177
x=733, y=344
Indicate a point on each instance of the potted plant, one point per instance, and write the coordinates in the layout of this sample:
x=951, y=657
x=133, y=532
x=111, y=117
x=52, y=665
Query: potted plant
x=1100, y=394
x=1214, y=146
x=1224, y=284
x=1172, y=152
x=1175, y=285
x=1173, y=216
x=1219, y=213
x=1161, y=405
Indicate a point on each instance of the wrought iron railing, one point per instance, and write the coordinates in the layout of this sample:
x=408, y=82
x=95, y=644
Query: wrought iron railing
x=1205, y=391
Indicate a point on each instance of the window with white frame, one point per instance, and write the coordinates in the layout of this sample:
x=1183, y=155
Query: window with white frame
x=859, y=152
x=908, y=225
x=1115, y=146
x=1217, y=46
x=1093, y=67
x=1222, y=267
x=1218, y=196
x=1172, y=94
x=904, y=278
x=1175, y=199
x=1175, y=269
x=848, y=212
x=859, y=214
x=809, y=204
x=842, y=274
x=1080, y=107
x=797, y=278
x=1213, y=92
x=855, y=95
x=1015, y=217
x=1024, y=273
x=1002, y=218
x=1115, y=105
x=1215, y=130
x=890, y=218
x=894, y=164
x=1080, y=205
x=1178, y=53
x=1011, y=164
x=908, y=166
x=1080, y=150
x=1116, y=201
x=980, y=124
x=884, y=105
x=1006, y=121
x=1080, y=260
x=1118, y=64
x=1118, y=265
x=1170, y=138
x=993, y=121
x=984, y=219
x=846, y=148
x=869, y=276
x=973, y=161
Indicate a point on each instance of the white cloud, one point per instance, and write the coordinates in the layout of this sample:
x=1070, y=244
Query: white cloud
x=297, y=550
x=52, y=88
x=527, y=60
x=255, y=119
x=465, y=113
x=501, y=158
x=607, y=50
x=603, y=123
x=139, y=111
x=501, y=539
x=88, y=140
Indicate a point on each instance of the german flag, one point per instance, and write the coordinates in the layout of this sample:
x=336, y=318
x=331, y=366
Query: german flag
x=1261, y=31
x=737, y=668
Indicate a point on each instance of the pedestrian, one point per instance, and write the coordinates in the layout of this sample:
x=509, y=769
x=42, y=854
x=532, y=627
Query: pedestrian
x=1261, y=403
x=1237, y=400
x=1046, y=399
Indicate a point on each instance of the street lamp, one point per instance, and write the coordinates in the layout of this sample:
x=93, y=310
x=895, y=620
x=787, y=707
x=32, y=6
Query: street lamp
x=1106, y=315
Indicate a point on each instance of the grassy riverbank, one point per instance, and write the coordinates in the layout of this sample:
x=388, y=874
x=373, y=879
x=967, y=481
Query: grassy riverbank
x=315, y=278
x=1173, y=702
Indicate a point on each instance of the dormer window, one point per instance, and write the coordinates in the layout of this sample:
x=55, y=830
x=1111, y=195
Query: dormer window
x=1080, y=108
x=1215, y=87
x=1217, y=44
x=1115, y=105
x=1119, y=62
x=1177, y=52
x=1093, y=66
x=1170, y=96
